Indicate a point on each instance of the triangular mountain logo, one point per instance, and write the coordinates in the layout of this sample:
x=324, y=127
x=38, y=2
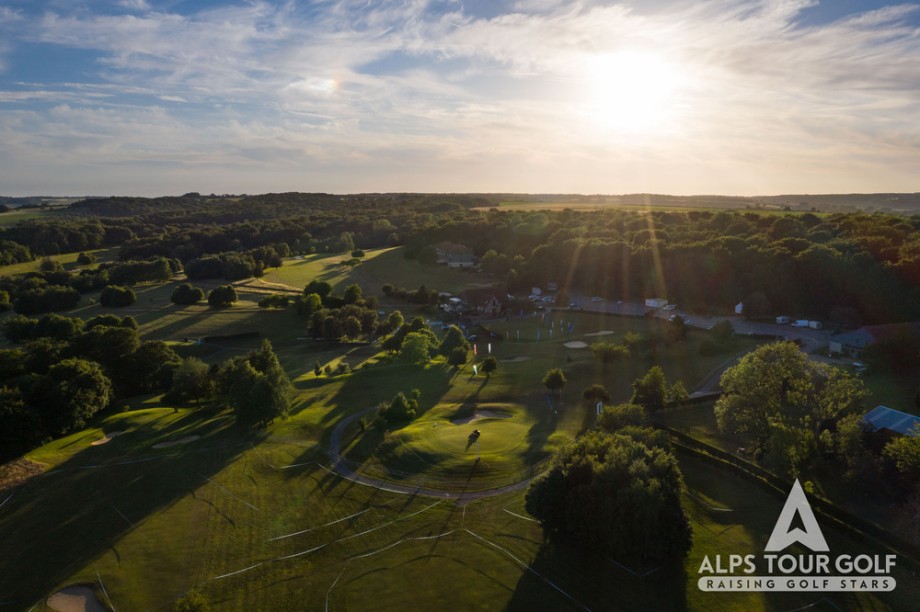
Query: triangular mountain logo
x=785, y=534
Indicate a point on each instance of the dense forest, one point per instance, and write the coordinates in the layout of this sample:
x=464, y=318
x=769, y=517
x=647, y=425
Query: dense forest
x=848, y=268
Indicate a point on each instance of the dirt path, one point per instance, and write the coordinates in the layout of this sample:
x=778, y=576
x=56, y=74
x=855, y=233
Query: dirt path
x=340, y=467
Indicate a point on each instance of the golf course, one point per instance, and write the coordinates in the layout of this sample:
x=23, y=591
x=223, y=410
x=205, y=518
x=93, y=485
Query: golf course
x=155, y=502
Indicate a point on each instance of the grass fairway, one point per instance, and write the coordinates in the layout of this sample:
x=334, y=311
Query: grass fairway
x=378, y=268
x=255, y=523
x=68, y=260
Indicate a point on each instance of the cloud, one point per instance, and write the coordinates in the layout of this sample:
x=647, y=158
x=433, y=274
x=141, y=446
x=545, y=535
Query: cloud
x=135, y=5
x=414, y=92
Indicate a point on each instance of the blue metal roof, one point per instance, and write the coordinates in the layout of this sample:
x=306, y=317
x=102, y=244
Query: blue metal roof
x=882, y=417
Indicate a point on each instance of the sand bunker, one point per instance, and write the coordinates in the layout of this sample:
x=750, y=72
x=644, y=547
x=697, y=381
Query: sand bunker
x=480, y=414
x=515, y=359
x=184, y=440
x=576, y=344
x=76, y=599
x=603, y=332
x=106, y=438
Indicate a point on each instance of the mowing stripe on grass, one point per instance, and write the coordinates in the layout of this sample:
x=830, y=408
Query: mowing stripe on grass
x=245, y=569
x=321, y=526
x=303, y=552
x=121, y=514
x=531, y=570
x=402, y=518
x=398, y=542
x=245, y=503
x=520, y=516
x=703, y=503
x=104, y=592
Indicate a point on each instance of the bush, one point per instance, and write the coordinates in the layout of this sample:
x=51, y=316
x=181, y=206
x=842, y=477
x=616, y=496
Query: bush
x=185, y=294
x=222, y=297
x=114, y=296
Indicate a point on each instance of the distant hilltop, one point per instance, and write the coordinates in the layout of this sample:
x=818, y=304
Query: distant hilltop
x=902, y=203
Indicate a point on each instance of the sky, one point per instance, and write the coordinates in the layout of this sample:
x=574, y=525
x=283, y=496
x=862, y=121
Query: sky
x=734, y=97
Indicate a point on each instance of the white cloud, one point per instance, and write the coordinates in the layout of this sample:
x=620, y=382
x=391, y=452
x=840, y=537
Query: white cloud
x=134, y=5
x=764, y=104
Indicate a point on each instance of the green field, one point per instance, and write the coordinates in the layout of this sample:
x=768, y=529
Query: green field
x=68, y=260
x=255, y=523
x=379, y=267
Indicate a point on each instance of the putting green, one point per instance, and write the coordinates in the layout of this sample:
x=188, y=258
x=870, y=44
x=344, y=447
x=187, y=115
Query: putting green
x=438, y=446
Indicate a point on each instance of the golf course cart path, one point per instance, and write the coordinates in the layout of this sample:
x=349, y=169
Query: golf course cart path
x=340, y=467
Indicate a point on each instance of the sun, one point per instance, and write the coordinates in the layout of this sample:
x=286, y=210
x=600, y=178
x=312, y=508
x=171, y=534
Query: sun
x=632, y=91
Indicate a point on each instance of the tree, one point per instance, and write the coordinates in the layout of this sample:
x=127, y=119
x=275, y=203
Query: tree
x=275, y=300
x=256, y=387
x=306, y=305
x=453, y=339
x=321, y=288
x=608, y=352
x=417, y=347
x=352, y=327
x=615, y=418
x=650, y=391
x=614, y=492
x=71, y=393
x=191, y=381
x=596, y=393
x=781, y=401
x=86, y=259
x=400, y=408
x=150, y=368
x=554, y=380
x=185, y=294
x=851, y=449
x=905, y=452
x=222, y=297
x=489, y=365
x=458, y=357
x=352, y=294
x=632, y=341
x=395, y=320
x=114, y=296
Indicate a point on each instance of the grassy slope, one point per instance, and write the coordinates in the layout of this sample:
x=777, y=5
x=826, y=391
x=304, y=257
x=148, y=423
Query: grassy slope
x=188, y=516
x=68, y=260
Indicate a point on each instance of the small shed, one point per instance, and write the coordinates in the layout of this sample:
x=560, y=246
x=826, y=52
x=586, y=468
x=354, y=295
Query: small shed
x=883, y=417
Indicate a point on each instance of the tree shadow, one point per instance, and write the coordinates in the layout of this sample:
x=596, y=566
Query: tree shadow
x=56, y=523
x=566, y=576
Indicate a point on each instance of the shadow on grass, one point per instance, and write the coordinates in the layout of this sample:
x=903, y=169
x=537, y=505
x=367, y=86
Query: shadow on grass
x=378, y=383
x=57, y=523
x=593, y=582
